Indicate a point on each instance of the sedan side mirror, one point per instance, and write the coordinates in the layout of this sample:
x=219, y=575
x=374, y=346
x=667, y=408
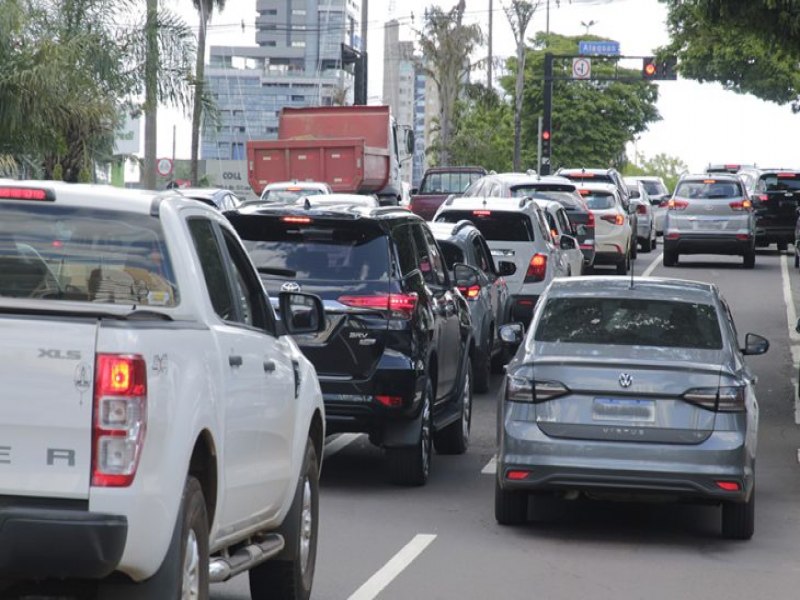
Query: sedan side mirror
x=511, y=334
x=756, y=344
x=301, y=313
x=465, y=276
x=506, y=268
x=568, y=242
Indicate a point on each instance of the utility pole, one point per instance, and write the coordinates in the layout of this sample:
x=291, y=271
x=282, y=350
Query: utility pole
x=148, y=178
x=364, y=65
x=489, y=66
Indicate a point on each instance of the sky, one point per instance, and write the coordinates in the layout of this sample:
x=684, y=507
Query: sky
x=701, y=123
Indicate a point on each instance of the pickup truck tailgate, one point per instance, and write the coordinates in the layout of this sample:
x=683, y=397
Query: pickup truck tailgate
x=46, y=373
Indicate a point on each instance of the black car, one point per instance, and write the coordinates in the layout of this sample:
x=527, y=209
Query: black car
x=775, y=194
x=394, y=360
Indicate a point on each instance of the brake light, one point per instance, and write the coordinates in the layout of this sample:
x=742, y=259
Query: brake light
x=390, y=401
x=471, y=292
x=400, y=305
x=672, y=235
x=762, y=197
x=729, y=486
x=723, y=399
x=585, y=192
x=482, y=213
x=709, y=181
x=732, y=167
x=517, y=475
x=24, y=193
x=675, y=204
x=581, y=175
x=590, y=222
x=297, y=220
x=614, y=219
x=641, y=209
x=119, y=420
x=741, y=205
x=787, y=175
x=537, y=268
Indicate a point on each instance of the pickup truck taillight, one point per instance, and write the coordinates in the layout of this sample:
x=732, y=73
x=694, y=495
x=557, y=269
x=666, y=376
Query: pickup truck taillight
x=119, y=420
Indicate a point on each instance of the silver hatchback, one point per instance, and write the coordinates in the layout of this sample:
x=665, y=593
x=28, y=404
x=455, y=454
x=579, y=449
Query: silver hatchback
x=710, y=214
x=622, y=391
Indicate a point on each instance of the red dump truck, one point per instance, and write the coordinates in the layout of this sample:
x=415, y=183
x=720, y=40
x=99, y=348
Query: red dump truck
x=354, y=149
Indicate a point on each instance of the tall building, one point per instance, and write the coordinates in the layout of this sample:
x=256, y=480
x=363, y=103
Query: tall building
x=297, y=62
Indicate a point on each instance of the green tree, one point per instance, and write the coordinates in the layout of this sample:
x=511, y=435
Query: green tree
x=669, y=168
x=205, y=8
x=447, y=43
x=749, y=46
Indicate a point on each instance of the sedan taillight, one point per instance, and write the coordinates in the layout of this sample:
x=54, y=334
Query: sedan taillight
x=520, y=388
x=119, y=420
x=722, y=399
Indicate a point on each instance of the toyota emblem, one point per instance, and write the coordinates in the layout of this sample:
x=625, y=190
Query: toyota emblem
x=625, y=380
x=290, y=286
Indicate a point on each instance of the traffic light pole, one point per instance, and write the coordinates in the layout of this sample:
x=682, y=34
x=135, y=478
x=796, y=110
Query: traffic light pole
x=547, y=115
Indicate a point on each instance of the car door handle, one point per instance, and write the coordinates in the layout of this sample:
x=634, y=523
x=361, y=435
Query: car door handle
x=235, y=360
x=269, y=366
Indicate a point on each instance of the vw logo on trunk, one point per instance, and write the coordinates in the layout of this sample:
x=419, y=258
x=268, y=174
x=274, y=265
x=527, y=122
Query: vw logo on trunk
x=625, y=380
x=290, y=286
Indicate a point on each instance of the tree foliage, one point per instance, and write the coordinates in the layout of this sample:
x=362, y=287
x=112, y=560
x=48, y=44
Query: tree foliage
x=669, y=168
x=749, y=46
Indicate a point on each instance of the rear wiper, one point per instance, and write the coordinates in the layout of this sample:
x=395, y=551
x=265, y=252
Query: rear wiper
x=276, y=271
x=717, y=196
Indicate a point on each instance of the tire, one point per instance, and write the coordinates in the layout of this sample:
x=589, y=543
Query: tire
x=670, y=258
x=510, y=507
x=750, y=260
x=796, y=260
x=739, y=519
x=454, y=438
x=292, y=578
x=783, y=246
x=624, y=265
x=412, y=465
x=483, y=369
x=634, y=249
x=647, y=245
x=500, y=360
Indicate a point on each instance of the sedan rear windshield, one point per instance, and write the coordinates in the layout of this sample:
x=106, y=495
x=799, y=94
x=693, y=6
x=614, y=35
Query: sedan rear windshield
x=709, y=189
x=630, y=322
x=775, y=182
x=80, y=254
x=319, y=249
x=494, y=225
x=599, y=200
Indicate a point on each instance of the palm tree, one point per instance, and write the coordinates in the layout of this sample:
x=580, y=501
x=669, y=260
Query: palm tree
x=205, y=8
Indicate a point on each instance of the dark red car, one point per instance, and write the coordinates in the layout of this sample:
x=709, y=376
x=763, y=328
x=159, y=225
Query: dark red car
x=437, y=184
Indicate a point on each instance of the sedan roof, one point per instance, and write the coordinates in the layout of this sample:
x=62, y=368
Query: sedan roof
x=680, y=290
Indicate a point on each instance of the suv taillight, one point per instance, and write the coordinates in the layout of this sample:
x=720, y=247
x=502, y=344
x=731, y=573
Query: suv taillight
x=762, y=197
x=614, y=219
x=641, y=209
x=590, y=221
x=471, y=292
x=741, y=205
x=400, y=305
x=120, y=418
x=537, y=268
x=674, y=204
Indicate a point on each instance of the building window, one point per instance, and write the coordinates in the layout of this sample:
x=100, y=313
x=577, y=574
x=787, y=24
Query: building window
x=298, y=44
x=268, y=44
x=298, y=98
x=298, y=12
x=237, y=151
x=270, y=12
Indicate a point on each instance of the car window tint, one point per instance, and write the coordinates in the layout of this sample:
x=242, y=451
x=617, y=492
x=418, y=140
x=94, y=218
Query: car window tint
x=709, y=189
x=406, y=253
x=436, y=256
x=629, y=322
x=320, y=249
x=654, y=188
x=425, y=260
x=481, y=257
x=600, y=200
x=213, y=263
x=563, y=221
x=781, y=183
x=452, y=253
x=494, y=225
x=84, y=255
x=248, y=292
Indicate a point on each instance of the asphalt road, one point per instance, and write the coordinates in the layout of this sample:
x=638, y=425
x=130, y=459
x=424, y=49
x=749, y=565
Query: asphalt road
x=442, y=542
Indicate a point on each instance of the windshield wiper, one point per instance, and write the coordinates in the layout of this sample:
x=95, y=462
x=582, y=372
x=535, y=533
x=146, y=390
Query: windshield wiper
x=276, y=271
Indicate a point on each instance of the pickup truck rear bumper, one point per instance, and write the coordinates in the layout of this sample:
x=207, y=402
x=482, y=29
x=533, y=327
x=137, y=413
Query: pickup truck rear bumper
x=45, y=543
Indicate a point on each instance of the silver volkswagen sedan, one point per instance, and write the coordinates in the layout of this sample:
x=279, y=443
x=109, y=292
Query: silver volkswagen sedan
x=620, y=391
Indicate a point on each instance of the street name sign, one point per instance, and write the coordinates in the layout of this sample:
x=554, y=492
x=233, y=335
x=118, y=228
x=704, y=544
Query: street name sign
x=603, y=48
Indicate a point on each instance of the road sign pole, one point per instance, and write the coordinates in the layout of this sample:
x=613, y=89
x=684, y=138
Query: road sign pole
x=547, y=114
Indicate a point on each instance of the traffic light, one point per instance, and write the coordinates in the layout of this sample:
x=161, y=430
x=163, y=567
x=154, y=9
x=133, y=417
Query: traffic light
x=545, y=143
x=665, y=69
x=649, y=68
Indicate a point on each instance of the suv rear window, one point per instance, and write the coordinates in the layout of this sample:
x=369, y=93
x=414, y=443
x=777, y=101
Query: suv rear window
x=780, y=182
x=494, y=225
x=599, y=200
x=287, y=196
x=81, y=254
x=520, y=191
x=579, y=176
x=321, y=249
x=654, y=188
x=630, y=322
x=569, y=200
x=709, y=189
x=447, y=183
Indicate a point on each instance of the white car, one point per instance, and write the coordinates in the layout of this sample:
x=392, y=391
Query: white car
x=516, y=230
x=165, y=430
x=560, y=226
x=338, y=200
x=658, y=195
x=613, y=235
x=289, y=191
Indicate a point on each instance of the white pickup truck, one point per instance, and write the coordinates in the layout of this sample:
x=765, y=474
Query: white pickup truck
x=159, y=428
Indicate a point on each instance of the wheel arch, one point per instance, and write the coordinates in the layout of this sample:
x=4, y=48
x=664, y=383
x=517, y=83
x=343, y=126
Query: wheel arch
x=203, y=466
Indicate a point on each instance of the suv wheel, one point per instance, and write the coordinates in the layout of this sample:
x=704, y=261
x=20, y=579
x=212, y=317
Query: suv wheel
x=291, y=579
x=739, y=518
x=454, y=438
x=412, y=465
x=634, y=247
x=510, y=507
x=624, y=265
x=670, y=258
x=750, y=259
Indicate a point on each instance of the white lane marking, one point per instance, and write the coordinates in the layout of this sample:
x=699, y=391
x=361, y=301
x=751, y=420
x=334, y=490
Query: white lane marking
x=652, y=266
x=794, y=337
x=491, y=467
x=337, y=444
x=375, y=584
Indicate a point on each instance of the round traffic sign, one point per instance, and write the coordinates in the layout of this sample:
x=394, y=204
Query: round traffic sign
x=581, y=68
x=164, y=166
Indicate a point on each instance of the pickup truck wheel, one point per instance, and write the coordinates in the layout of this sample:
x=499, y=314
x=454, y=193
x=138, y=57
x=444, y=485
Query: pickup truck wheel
x=412, y=465
x=292, y=579
x=194, y=543
x=454, y=438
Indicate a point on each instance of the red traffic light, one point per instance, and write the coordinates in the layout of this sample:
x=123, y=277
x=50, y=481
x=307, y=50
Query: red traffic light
x=649, y=67
x=545, y=135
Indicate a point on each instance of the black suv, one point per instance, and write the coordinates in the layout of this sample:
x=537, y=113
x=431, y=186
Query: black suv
x=776, y=197
x=394, y=359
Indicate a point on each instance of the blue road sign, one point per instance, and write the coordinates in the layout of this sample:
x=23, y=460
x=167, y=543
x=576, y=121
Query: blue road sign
x=604, y=48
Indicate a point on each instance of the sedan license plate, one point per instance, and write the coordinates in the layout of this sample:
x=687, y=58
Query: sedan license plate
x=624, y=409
